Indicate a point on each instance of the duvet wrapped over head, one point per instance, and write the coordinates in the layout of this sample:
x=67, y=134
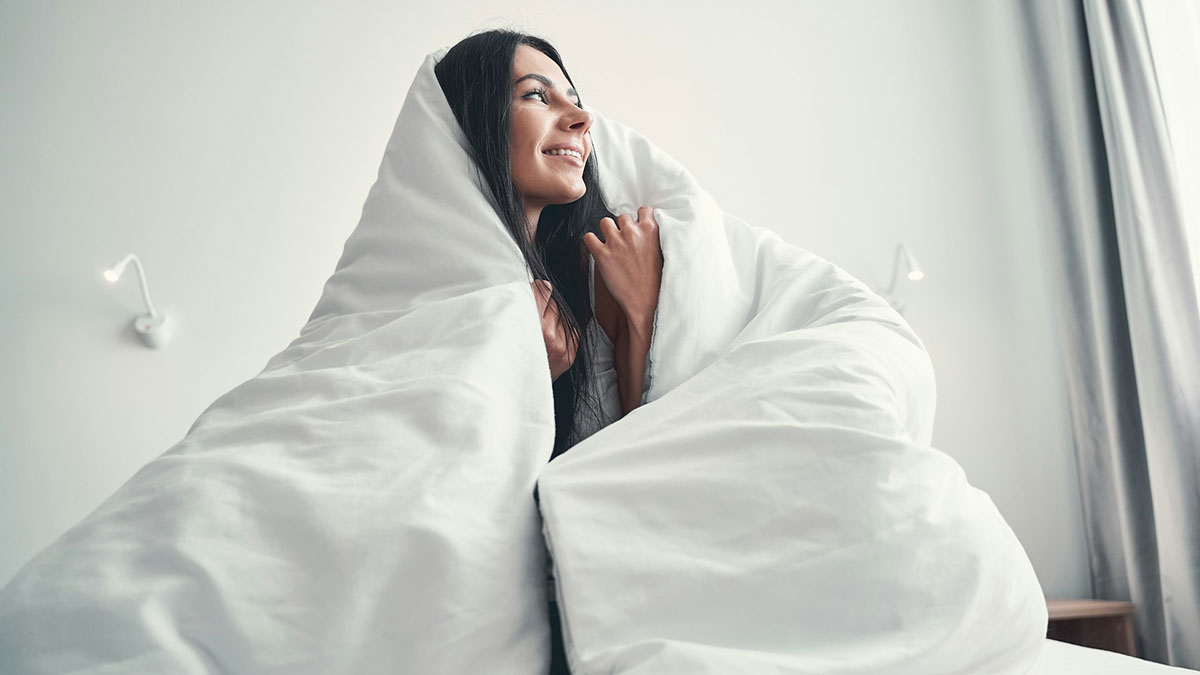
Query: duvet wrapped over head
x=365, y=503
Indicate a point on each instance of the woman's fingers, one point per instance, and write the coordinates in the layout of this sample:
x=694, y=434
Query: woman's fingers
x=561, y=345
x=631, y=262
x=592, y=243
x=541, y=291
x=625, y=225
x=552, y=328
x=645, y=215
x=608, y=228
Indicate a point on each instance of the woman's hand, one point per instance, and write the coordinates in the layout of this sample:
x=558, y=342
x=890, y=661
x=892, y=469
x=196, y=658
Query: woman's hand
x=630, y=262
x=559, y=349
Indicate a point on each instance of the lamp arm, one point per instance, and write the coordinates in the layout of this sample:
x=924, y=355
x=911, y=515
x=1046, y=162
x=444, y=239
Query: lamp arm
x=895, y=269
x=142, y=282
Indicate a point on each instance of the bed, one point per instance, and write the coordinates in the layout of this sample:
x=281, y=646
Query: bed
x=365, y=503
x=1061, y=658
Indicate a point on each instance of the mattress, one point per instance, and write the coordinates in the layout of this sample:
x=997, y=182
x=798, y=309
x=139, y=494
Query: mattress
x=1062, y=658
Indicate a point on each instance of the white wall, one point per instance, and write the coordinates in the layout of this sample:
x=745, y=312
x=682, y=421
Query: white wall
x=232, y=146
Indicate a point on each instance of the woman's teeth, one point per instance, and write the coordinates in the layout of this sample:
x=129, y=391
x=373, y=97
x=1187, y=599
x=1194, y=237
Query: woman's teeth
x=572, y=153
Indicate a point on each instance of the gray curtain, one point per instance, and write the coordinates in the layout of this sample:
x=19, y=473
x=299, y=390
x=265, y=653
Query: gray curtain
x=1129, y=315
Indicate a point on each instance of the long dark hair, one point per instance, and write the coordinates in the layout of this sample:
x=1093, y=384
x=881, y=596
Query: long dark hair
x=476, y=76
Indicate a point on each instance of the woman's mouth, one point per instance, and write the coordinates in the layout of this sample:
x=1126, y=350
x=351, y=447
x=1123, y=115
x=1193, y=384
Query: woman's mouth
x=569, y=155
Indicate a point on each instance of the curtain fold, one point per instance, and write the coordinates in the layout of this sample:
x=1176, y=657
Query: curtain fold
x=1128, y=310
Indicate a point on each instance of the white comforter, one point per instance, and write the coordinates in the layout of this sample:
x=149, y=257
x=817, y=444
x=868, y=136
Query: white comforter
x=364, y=504
x=776, y=507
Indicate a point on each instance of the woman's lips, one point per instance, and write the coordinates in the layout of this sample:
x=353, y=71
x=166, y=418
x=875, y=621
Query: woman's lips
x=570, y=158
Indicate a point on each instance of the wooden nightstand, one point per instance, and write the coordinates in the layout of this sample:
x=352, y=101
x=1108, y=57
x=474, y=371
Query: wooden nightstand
x=1100, y=624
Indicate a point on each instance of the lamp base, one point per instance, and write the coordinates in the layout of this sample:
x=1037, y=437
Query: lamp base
x=152, y=329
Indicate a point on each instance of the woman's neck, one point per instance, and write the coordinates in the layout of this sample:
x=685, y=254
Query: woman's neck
x=532, y=215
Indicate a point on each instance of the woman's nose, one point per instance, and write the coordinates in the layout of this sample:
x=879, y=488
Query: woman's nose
x=582, y=120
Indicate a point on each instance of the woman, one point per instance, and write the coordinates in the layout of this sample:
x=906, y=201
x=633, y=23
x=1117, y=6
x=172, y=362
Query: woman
x=521, y=116
x=528, y=136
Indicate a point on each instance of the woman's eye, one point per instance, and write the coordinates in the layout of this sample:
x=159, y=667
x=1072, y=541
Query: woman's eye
x=542, y=94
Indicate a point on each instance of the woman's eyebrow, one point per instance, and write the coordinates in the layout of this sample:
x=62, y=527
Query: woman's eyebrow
x=546, y=81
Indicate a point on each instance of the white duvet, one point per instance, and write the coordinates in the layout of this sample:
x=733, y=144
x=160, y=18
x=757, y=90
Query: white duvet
x=776, y=507
x=365, y=503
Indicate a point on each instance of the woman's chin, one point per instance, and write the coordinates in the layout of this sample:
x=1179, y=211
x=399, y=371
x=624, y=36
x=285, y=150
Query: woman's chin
x=560, y=192
x=568, y=196
x=576, y=192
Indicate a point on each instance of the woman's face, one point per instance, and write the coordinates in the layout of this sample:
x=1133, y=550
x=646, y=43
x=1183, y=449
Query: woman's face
x=546, y=115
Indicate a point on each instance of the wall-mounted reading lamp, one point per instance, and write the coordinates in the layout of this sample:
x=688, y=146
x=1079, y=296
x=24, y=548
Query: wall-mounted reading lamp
x=151, y=327
x=913, y=272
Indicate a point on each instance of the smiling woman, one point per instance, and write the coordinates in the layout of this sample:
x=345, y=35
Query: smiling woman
x=527, y=133
x=549, y=148
x=528, y=136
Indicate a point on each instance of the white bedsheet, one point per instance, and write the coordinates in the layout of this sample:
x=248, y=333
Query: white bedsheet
x=1061, y=658
x=364, y=504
